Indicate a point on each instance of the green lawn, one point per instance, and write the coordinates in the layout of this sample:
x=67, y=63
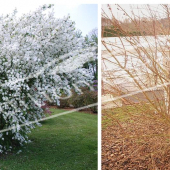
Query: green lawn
x=66, y=142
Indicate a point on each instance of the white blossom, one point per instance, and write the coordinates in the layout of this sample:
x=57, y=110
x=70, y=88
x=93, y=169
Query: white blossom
x=38, y=53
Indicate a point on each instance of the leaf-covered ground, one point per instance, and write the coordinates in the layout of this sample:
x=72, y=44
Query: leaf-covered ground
x=66, y=142
x=135, y=138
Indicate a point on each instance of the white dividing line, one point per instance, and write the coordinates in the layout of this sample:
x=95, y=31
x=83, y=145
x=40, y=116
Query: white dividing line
x=50, y=117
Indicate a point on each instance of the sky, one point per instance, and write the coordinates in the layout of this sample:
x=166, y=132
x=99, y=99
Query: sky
x=84, y=15
x=138, y=9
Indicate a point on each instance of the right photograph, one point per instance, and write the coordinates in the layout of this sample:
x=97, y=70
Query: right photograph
x=135, y=86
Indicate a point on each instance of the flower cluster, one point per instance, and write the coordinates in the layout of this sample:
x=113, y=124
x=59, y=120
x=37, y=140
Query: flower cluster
x=40, y=56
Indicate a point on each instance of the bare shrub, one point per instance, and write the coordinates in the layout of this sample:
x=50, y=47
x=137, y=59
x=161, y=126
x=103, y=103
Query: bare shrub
x=140, y=64
x=136, y=72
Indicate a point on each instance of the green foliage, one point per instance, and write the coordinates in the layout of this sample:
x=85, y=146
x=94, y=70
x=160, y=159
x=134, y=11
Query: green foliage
x=112, y=32
x=92, y=40
x=115, y=32
x=88, y=97
x=79, y=100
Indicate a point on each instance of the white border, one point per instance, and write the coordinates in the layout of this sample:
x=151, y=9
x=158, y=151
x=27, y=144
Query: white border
x=99, y=87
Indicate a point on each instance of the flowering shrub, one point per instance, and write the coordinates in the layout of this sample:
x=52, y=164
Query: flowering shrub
x=40, y=58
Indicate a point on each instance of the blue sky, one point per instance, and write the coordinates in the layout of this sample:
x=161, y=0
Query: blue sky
x=84, y=15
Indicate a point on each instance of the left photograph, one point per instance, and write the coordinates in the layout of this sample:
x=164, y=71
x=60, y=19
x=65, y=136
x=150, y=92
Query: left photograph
x=48, y=86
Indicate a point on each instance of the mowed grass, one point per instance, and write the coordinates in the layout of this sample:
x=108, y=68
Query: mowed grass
x=66, y=142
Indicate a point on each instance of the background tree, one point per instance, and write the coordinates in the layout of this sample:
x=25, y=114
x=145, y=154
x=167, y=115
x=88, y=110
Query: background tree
x=92, y=40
